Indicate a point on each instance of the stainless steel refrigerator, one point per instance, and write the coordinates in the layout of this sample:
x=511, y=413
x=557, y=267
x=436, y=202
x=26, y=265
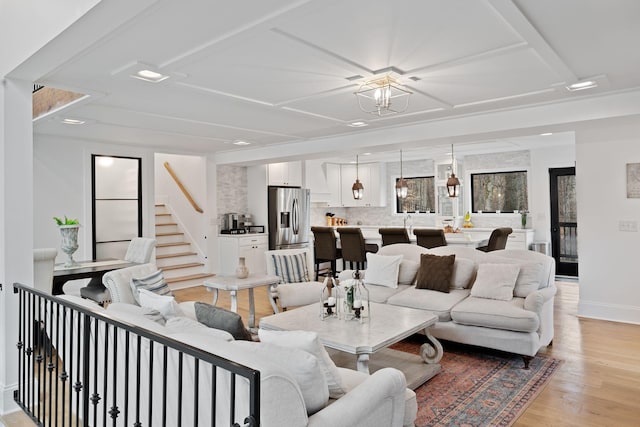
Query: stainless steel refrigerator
x=288, y=217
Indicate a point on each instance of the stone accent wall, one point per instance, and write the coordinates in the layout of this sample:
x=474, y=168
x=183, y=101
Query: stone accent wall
x=231, y=190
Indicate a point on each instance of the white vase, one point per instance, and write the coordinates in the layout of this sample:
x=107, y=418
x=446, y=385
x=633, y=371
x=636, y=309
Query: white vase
x=69, y=244
x=242, y=272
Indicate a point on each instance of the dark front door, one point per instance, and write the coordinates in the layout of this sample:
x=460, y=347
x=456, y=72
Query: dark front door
x=564, y=220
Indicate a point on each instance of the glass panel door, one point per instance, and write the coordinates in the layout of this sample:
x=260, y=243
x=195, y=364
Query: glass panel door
x=117, y=204
x=564, y=220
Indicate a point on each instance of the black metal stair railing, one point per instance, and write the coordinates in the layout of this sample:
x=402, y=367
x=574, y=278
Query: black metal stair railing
x=80, y=367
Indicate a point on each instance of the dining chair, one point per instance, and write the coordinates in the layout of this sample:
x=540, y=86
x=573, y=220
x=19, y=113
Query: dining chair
x=325, y=248
x=43, y=263
x=430, y=237
x=354, y=249
x=391, y=235
x=497, y=240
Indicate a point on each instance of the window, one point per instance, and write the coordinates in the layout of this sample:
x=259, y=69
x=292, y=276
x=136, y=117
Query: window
x=499, y=191
x=420, y=197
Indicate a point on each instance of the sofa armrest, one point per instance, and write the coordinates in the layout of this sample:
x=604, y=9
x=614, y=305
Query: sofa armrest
x=377, y=402
x=535, y=300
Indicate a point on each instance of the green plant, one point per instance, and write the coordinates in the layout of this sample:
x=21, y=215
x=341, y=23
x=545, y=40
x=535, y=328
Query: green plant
x=66, y=221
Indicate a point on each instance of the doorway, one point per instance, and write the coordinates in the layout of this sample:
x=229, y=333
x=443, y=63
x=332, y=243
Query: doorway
x=564, y=220
x=116, y=204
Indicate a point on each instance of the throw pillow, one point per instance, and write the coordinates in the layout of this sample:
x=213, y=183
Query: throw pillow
x=435, y=272
x=382, y=270
x=408, y=271
x=309, y=342
x=153, y=282
x=165, y=304
x=220, y=318
x=528, y=279
x=291, y=268
x=495, y=281
x=464, y=271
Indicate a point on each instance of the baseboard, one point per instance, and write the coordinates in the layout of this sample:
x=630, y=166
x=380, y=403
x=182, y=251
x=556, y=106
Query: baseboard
x=611, y=312
x=7, y=403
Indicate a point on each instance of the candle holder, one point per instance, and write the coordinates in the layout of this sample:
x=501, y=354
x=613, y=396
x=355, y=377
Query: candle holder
x=356, y=301
x=328, y=297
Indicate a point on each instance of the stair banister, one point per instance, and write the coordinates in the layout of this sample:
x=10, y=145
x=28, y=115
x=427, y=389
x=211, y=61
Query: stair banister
x=182, y=188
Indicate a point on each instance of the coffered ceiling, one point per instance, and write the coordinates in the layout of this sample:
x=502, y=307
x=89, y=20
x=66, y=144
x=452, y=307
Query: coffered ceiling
x=281, y=72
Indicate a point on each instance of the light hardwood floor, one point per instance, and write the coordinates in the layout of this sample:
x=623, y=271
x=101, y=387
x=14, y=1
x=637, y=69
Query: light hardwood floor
x=597, y=385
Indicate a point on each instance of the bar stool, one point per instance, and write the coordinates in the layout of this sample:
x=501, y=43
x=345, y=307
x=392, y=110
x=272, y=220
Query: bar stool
x=325, y=248
x=497, y=240
x=354, y=249
x=430, y=237
x=391, y=235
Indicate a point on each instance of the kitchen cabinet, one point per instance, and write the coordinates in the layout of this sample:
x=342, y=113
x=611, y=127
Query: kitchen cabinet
x=520, y=239
x=285, y=173
x=340, y=179
x=315, y=179
x=250, y=246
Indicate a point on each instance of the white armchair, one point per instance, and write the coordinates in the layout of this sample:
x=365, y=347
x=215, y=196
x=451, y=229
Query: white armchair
x=293, y=293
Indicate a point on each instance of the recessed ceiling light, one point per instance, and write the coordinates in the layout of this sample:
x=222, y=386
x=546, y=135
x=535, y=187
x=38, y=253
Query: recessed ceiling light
x=73, y=122
x=241, y=143
x=149, y=76
x=358, y=124
x=546, y=134
x=366, y=154
x=587, y=84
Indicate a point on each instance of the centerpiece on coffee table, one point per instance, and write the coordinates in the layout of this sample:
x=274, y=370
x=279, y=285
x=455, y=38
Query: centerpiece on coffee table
x=356, y=305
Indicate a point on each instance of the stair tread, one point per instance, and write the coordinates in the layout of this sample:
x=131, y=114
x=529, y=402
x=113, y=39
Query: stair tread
x=166, y=245
x=178, y=254
x=189, y=277
x=159, y=205
x=178, y=266
x=166, y=223
x=163, y=214
x=171, y=233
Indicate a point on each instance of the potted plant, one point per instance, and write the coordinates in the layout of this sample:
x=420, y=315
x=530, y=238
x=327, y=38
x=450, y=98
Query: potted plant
x=69, y=233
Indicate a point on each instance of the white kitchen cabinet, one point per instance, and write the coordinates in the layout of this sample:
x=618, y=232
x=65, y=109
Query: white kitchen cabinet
x=250, y=246
x=285, y=173
x=373, y=178
x=520, y=239
x=315, y=179
x=334, y=185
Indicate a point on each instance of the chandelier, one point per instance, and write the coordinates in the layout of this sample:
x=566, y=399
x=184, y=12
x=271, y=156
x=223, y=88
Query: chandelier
x=383, y=96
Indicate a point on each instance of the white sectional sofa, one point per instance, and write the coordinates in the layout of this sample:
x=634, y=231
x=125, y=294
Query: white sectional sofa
x=520, y=323
x=294, y=389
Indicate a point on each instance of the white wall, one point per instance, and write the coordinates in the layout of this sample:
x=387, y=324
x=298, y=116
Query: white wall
x=62, y=186
x=191, y=170
x=609, y=267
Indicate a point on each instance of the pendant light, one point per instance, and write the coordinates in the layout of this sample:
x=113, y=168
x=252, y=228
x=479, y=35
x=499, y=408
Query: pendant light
x=453, y=183
x=402, y=188
x=357, y=188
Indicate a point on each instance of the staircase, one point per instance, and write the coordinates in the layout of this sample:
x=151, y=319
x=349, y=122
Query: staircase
x=180, y=265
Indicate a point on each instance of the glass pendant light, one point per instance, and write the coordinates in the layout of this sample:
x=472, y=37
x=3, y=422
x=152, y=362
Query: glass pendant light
x=453, y=183
x=357, y=188
x=402, y=188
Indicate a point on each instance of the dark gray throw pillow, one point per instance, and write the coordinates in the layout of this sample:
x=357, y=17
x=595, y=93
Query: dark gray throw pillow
x=219, y=318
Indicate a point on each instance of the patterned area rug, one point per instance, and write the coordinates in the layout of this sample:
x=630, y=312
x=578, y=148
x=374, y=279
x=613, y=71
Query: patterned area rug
x=478, y=387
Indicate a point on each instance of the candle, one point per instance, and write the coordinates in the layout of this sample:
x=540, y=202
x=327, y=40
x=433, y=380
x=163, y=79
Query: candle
x=331, y=301
x=357, y=303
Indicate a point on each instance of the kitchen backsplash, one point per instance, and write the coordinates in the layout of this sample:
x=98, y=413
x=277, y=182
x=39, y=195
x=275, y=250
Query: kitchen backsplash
x=232, y=190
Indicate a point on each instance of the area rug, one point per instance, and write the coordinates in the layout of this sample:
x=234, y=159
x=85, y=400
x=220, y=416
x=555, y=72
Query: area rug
x=478, y=387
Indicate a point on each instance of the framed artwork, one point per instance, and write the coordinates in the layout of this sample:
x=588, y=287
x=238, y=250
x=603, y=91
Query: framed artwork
x=633, y=180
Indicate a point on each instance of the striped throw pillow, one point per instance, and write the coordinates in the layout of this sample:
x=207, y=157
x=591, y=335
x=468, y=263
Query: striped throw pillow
x=153, y=283
x=291, y=268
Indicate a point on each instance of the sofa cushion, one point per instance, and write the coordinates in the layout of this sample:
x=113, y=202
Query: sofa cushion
x=435, y=272
x=303, y=366
x=382, y=270
x=153, y=282
x=381, y=294
x=464, y=273
x=408, y=272
x=439, y=303
x=220, y=318
x=180, y=324
x=495, y=281
x=165, y=304
x=291, y=268
x=309, y=342
x=490, y=313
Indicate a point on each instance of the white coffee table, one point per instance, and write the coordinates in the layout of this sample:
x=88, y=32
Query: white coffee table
x=233, y=285
x=387, y=325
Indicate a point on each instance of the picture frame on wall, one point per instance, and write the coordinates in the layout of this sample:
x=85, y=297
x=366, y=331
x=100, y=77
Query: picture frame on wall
x=633, y=180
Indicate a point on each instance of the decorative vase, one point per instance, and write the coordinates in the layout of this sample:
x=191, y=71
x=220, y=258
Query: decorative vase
x=242, y=272
x=69, y=244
